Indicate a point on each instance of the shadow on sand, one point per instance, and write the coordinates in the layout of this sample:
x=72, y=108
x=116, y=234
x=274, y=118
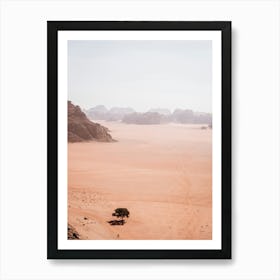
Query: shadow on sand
x=116, y=222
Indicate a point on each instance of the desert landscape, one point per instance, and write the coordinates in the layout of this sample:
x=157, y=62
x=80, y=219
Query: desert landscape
x=161, y=173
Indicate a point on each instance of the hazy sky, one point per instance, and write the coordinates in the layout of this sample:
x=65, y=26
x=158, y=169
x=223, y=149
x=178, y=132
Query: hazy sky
x=141, y=74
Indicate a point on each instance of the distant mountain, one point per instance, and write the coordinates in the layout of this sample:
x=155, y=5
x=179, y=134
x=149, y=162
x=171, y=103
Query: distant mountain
x=188, y=116
x=97, y=113
x=81, y=129
x=205, y=118
x=183, y=116
x=161, y=111
x=117, y=113
x=100, y=112
x=143, y=118
x=153, y=116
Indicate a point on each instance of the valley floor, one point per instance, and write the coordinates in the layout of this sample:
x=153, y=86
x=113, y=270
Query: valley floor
x=161, y=173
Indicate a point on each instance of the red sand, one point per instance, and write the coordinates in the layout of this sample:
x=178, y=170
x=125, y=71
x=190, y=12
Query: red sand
x=161, y=173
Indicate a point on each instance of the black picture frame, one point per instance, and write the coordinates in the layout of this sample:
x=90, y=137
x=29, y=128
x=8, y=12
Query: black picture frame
x=52, y=102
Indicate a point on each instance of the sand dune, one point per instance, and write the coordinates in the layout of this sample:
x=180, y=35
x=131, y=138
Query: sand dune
x=161, y=173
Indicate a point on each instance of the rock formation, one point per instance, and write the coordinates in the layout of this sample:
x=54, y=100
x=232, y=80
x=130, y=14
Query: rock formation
x=100, y=112
x=152, y=116
x=81, y=129
x=72, y=233
x=161, y=111
x=143, y=118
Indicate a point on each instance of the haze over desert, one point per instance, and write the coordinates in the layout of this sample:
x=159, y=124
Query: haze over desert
x=161, y=173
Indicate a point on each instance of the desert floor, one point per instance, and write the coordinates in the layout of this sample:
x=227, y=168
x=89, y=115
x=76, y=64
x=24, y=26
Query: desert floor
x=161, y=173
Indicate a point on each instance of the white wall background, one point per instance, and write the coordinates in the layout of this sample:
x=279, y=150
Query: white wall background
x=255, y=139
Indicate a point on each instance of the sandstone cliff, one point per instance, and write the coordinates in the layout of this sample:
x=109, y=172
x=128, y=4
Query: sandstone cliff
x=81, y=129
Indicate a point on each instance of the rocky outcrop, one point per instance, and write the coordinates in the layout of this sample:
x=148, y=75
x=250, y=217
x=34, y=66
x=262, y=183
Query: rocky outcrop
x=204, y=118
x=143, y=118
x=72, y=233
x=152, y=116
x=117, y=113
x=100, y=112
x=161, y=111
x=188, y=116
x=178, y=116
x=183, y=116
x=81, y=129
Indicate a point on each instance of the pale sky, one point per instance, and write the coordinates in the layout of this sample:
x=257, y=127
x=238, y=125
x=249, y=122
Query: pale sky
x=141, y=74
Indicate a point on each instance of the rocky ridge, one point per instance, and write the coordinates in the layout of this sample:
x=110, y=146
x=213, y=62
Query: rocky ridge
x=81, y=129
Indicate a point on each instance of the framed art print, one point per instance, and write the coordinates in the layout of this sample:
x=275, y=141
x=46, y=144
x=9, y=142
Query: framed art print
x=139, y=140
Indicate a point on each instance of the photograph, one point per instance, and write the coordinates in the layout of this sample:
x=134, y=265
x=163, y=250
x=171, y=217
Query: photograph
x=139, y=139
